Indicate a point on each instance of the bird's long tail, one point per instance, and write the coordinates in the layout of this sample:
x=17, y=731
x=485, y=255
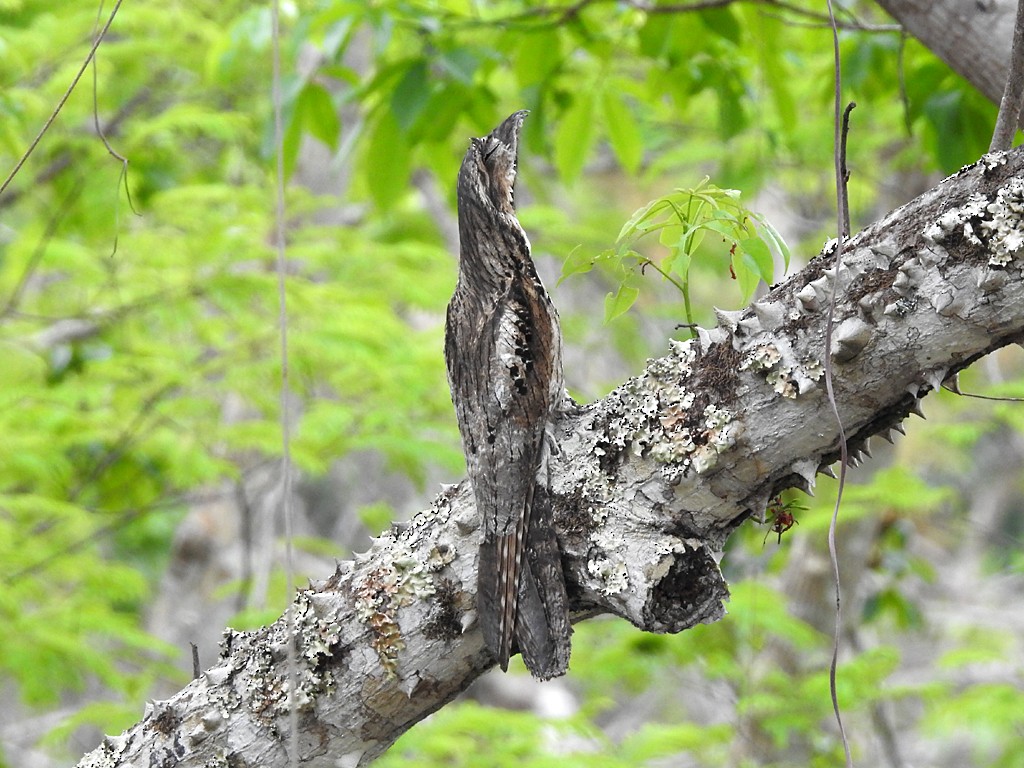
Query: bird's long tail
x=501, y=560
x=521, y=593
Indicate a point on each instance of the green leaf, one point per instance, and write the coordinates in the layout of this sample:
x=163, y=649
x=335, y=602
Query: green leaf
x=671, y=235
x=618, y=303
x=387, y=162
x=578, y=262
x=106, y=715
x=540, y=53
x=653, y=741
x=777, y=77
x=376, y=517
x=623, y=132
x=904, y=612
x=988, y=647
x=411, y=94
x=655, y=36
x=640, y=215
x=575, y=136
x=447, y=104
x=774, y=239
x=732, y=118
x=722, y=22
x=318, y=116
x=723, y=225
x=680, y=264
x=761, y=256
x=962, y=123
x=693, y=237
x=747, y=274
x=461, y=64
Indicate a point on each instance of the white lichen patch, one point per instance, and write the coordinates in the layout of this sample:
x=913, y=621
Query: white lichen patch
x=323, y=635
x=996, y=225
x=611, y=571
x=781, y=380
x=660, y=416
x=642, y=451
x=993, y=160
x=813, y=370
x=705, y=457
x=722, y=430
x=674, y=446
x=715, y=417
x=685, y=352
x=385, y=589
x=787, y=379
x=762, y=357
x=694, y=447
x=439, y=556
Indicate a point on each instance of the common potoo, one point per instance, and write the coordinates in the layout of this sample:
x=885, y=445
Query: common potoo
x=503, y=347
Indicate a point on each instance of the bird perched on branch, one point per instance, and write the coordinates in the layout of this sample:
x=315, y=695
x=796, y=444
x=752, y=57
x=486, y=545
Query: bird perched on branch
x=503, y=348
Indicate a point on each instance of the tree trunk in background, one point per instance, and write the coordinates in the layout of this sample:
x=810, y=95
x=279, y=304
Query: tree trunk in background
x=972, y=37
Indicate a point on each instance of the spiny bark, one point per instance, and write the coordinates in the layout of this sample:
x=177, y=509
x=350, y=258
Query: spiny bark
x=648, y=484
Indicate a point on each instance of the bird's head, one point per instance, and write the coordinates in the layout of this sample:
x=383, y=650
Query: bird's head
x=488, y=172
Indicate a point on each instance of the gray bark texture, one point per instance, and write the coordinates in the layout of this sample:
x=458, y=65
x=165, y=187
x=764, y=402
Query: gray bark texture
x=972, y=36
x=647, y=485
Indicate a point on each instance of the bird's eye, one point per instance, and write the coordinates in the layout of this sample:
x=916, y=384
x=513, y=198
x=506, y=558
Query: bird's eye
x=492, y=144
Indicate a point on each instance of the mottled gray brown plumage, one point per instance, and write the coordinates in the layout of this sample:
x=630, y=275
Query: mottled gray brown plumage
x=503, y=348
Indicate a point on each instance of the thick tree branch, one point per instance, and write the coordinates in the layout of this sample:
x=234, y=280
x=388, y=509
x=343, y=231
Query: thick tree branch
x=649, y=483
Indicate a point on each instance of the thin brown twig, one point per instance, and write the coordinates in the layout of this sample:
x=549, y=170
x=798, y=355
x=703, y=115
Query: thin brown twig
x=853, y=26
x=64, y=159
x=1013, y=94
x=123, y=177
x=102, y=133
x=994, y=398
x=844, y=171
x=556, y=15
x=286, y=462
x=841, y=205
x=63, y=99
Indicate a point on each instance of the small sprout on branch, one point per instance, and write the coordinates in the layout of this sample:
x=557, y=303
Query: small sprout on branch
x=683, y=219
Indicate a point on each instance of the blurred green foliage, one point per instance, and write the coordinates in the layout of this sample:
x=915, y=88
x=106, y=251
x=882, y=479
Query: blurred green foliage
x=127, y=325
